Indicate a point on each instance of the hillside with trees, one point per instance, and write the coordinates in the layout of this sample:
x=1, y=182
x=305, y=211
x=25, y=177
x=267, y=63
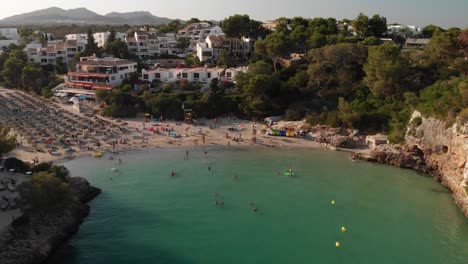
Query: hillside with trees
x=345, y=76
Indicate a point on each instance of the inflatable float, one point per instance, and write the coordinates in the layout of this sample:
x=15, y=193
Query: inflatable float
x=97, y=155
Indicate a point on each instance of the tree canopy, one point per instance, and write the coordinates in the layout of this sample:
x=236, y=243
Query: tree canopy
x=366, y=27
x=386, y=70
x=242, y=26
x=7, y=141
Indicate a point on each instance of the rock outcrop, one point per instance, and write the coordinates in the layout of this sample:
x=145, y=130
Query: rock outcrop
x=433, y=148
x=446, y=149
x=32, y=238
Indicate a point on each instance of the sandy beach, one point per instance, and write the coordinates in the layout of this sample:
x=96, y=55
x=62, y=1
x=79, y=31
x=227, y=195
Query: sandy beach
x=65, y=136
x=50, y=131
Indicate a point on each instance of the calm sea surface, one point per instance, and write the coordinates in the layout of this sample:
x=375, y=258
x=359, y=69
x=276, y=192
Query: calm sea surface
x=146, y=216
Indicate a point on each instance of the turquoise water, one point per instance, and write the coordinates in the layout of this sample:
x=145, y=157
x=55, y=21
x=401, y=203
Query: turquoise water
x=146, y=216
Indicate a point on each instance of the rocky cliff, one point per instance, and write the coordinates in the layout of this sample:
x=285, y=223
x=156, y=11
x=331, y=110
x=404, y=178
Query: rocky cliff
x=446, y=153
x=31, y=238
x=434, y=148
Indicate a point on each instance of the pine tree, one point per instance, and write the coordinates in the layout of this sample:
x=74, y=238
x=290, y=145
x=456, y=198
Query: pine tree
x=91, y=46
x=112, y=36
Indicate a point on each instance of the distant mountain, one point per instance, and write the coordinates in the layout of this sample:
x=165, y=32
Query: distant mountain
x=55, y=15
x=139, y=17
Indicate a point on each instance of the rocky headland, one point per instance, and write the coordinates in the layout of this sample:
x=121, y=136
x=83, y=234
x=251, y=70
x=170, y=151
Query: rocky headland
x=31, y=238
x=434, y=148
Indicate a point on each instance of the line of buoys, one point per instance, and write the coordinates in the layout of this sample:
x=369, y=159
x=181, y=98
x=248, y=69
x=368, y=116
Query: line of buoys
x=343, y=228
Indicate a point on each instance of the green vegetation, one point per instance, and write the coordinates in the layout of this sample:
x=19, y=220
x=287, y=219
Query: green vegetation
x=340, y=79
x=45, y=191
x=7, y=141
x=17, y=72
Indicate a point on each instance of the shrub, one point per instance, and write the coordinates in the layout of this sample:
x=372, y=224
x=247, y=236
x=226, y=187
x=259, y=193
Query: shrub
x=45, y=191
x=329, y=118
x=417, y=121
x=18, y=165
x=43, y=166
x=463, y=116
x=293, y=114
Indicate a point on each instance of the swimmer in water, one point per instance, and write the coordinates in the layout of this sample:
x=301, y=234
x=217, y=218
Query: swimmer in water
x=290, y=170
x=209, y=168
x=221, y=203
x=173, y=173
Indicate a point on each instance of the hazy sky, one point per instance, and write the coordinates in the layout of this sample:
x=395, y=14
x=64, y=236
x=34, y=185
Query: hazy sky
x=446, y=13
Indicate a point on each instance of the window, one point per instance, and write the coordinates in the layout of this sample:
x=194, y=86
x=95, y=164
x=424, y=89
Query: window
x=196, y=75
x=121, y=77
x=145, y=76
x=228, y=74
x=113, y=78
x=184, y=75
x=208, y=75
x=157, y=75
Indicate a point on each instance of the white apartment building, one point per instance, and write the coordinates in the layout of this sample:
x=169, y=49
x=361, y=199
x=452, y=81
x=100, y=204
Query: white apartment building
x=231, y=73
x=197, y=32
x=99, y=73
x=100, y=38
x=4, y=43
x=81, y=38
x=55, y=52
x=150, y=44
x=397, y=28
x=211, y=49
x=201, y=75
x=9, y=33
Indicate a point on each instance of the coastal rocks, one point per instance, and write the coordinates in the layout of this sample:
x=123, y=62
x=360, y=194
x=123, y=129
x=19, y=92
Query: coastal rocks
x=31, y=238
x=81, y=188
x=433, y=148
x=446, y=149
x=409, y=157
x=339, y=141
x=337, y=137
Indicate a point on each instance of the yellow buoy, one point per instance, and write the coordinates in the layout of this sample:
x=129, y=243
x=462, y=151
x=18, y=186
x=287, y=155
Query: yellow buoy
x=343, y=229
x=333, y=202
x=337, y=244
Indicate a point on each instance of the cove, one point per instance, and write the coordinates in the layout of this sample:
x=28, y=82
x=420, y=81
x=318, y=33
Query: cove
x=146, y=216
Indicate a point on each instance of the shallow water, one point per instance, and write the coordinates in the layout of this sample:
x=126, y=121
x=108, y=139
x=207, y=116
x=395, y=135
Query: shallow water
x=146, y=216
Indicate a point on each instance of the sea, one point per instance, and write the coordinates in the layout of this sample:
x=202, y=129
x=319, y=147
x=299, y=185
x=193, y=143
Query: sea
x=236, y=205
